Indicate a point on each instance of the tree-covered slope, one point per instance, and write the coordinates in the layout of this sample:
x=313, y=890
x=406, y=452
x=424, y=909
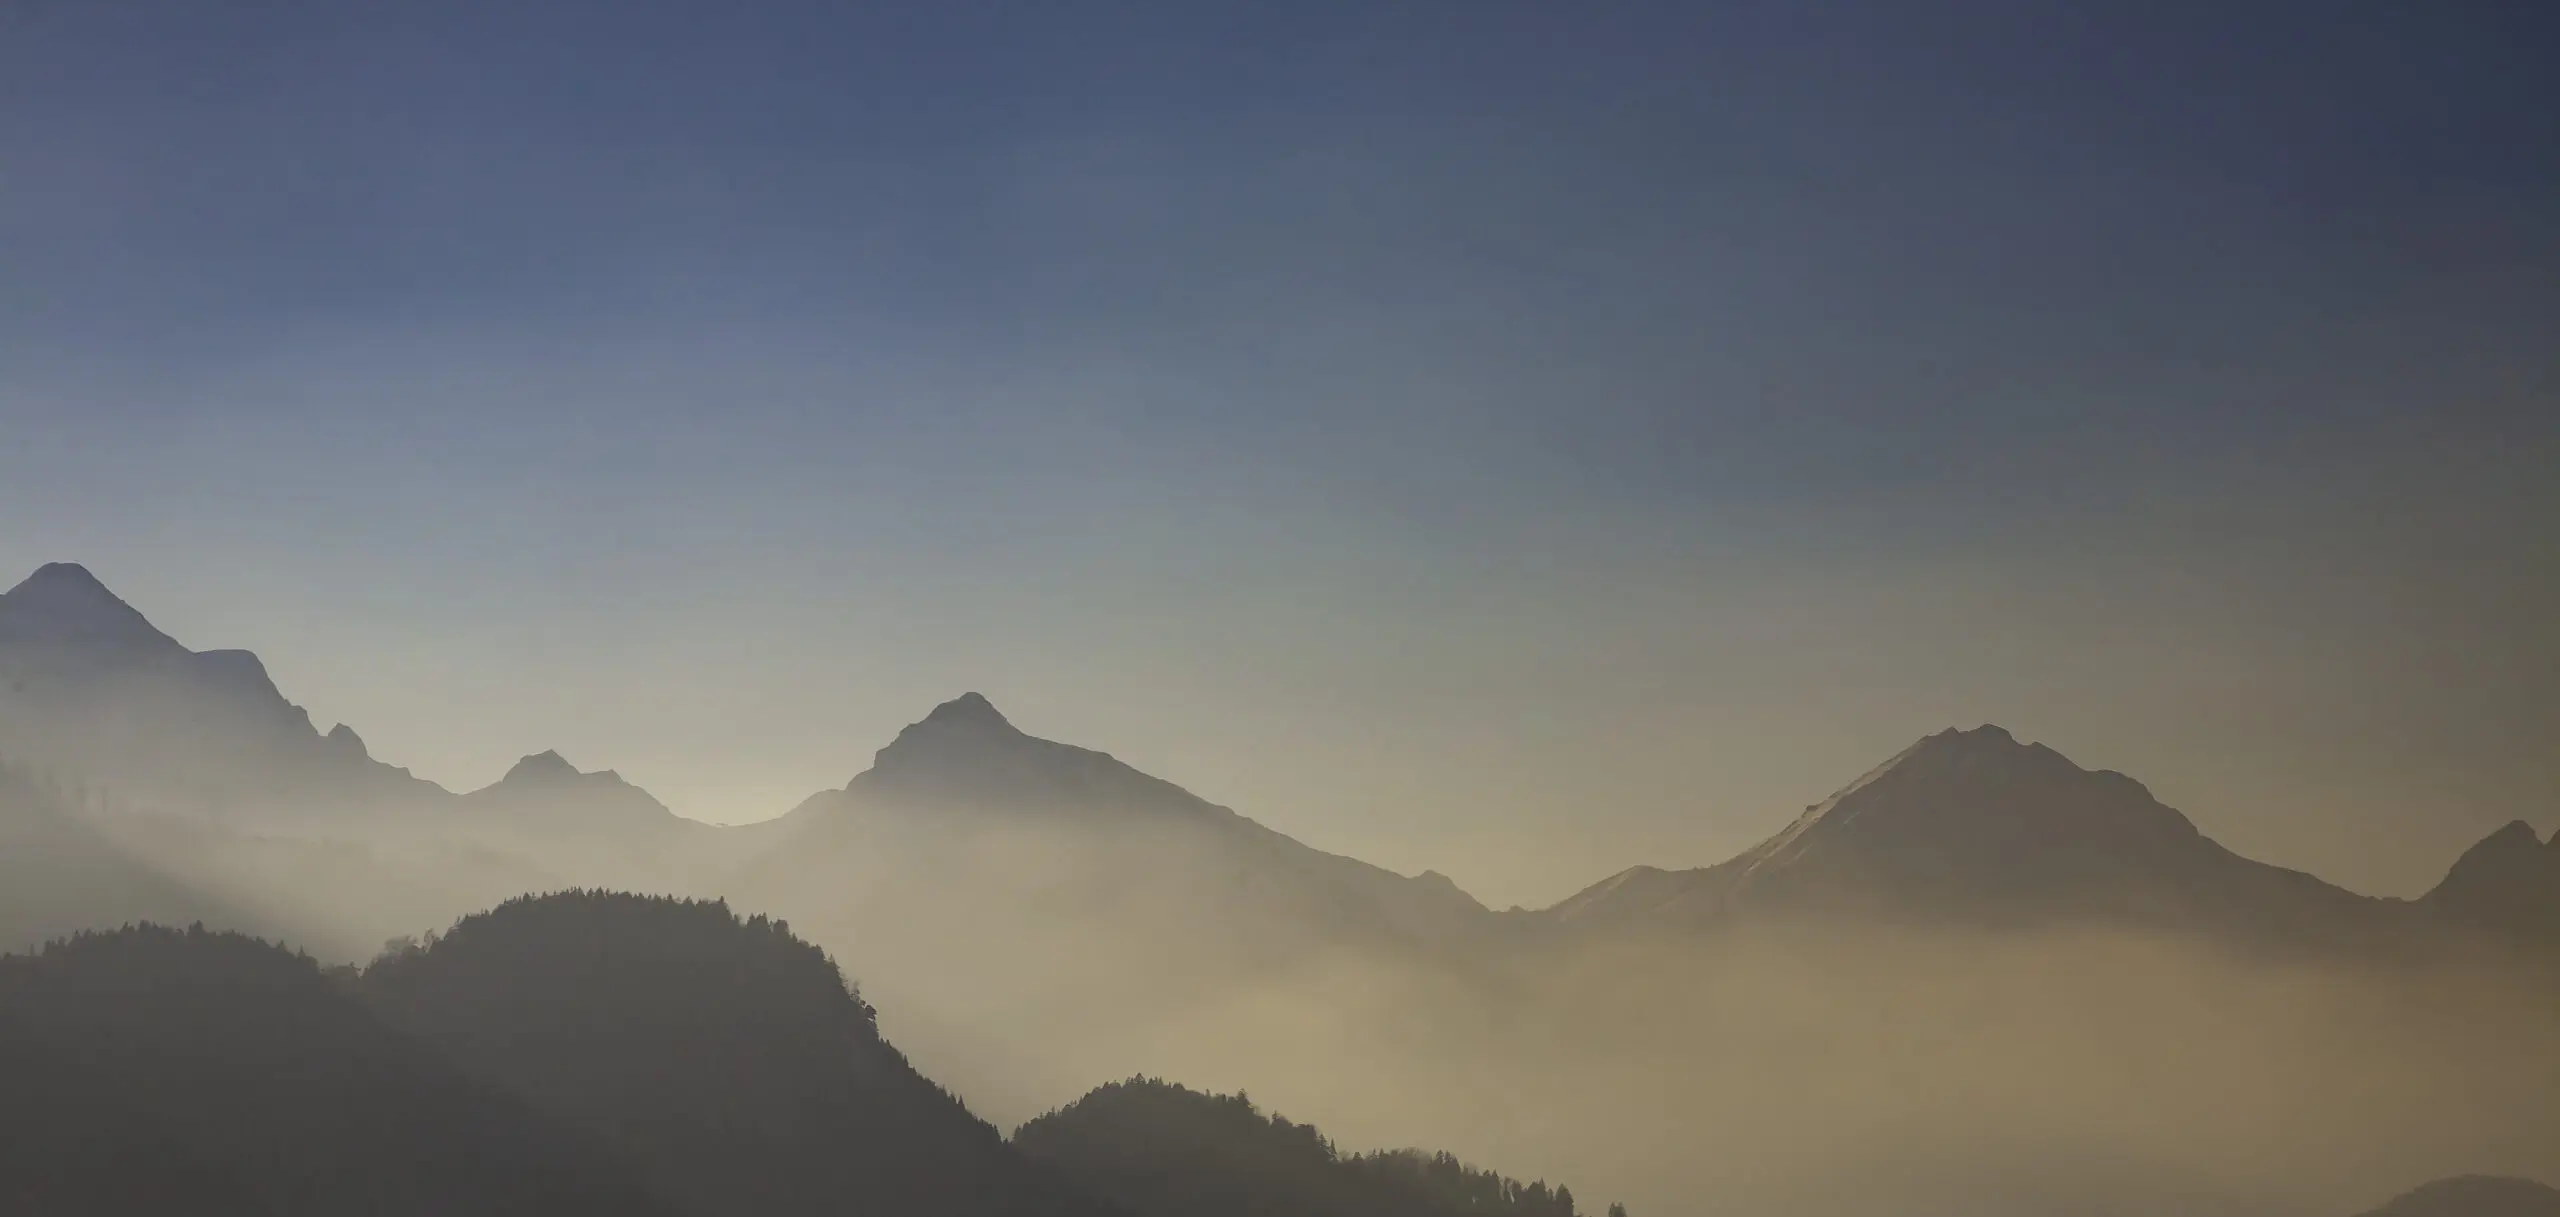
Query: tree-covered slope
x=1163, y=1150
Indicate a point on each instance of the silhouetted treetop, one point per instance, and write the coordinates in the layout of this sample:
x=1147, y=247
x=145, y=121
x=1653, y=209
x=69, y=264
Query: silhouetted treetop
x=1163, y=1150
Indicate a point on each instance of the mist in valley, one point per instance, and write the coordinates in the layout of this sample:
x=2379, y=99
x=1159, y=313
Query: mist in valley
x=1469, y=609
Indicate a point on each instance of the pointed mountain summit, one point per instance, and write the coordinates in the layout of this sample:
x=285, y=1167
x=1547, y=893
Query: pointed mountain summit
x=545, y=793
x=1970, y=801
x=965, y=753
x=2508, y=884
x=1982, y=827
x=964, y=773
x=63, y=607
x=545, y=766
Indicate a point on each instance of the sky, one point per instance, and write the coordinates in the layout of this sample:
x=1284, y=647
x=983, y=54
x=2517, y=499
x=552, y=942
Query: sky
x=1520, y=440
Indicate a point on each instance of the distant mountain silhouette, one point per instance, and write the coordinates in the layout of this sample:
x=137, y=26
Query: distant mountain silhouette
x=964, y=768
x=90, y=689
x=88, y=686
x=723, y=1055
x=1162, y=1150
x=154, y=1071
x=595, y=827
x=2475, y=1196
x=1976, y=826
x=1972, y=825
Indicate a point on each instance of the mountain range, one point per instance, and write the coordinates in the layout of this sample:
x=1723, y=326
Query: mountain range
x=1028, y=918
x=1968, y=824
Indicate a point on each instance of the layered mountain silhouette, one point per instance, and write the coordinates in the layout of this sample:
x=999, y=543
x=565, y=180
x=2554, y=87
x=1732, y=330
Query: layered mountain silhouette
x=1163, y=1150
x=1972, y=825
x=89, y=686
x=570, y=1054
x=1032, y=916
x=200, y=755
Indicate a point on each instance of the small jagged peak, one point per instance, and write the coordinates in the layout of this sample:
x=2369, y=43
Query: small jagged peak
x=344, y=736
x=1990, y=745
x=970, y=709
x=1989, y=737
x=546, y=766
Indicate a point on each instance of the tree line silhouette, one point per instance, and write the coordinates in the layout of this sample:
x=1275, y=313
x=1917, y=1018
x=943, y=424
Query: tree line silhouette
x=592, y=1052
x=1164, y=1150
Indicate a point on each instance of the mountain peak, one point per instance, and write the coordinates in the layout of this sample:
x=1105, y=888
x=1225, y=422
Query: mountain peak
x=966, y=754
x=1964, y=814
x=546, y=766
x=63, y=603
x=63, y=578
x=1988, y=741
x=2510, y=878
x=972, y=709
x=2514, y=835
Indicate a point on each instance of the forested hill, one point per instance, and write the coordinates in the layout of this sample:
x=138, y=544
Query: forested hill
x=1163, y=1150
x=725, y=1057
x=155, y=1071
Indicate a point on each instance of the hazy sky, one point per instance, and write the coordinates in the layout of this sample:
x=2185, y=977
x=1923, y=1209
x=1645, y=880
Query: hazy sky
x=1518, y=439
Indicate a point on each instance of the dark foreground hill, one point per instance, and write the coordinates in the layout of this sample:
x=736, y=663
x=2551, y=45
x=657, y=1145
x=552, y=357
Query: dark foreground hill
x=153, y=1071
x=2476, y=1196
x=724, y=1056
x=1161, y=1150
